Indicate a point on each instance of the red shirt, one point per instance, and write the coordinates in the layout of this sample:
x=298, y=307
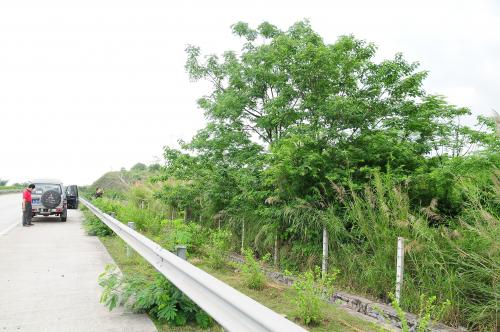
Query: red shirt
x=27, y=195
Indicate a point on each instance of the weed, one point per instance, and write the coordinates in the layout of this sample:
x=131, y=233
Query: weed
x=252, y=272
x=218, y=248
x=428, y=310
x=160, y=298
x=310, y=291
x=94, y=226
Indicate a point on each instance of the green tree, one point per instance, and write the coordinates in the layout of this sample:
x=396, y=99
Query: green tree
x=307, y=117
x=306, y=138
x=139, y=167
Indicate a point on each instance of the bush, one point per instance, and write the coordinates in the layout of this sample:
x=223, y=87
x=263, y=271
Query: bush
x=107, y=205
x=140, y=196
x=94, y=226
x=218, y=247
x=310, y=291
x=145, y=219
x=428, y=309
x=177, y=232
x=159, y=298
x=253, y=275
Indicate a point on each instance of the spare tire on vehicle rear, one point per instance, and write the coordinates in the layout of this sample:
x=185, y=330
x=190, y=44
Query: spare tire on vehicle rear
x=51, y=199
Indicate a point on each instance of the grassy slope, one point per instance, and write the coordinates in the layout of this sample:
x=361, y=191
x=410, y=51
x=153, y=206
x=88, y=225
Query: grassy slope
x=121, y=181
x=276, y=297
x=112, y=180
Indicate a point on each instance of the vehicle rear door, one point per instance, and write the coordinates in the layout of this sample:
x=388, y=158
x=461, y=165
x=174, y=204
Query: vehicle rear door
x=72, y=196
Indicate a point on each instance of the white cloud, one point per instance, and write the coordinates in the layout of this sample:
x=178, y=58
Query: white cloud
x=90, y=86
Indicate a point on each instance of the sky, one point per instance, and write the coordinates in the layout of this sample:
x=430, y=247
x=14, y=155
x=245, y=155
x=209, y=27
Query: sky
x=88, y=87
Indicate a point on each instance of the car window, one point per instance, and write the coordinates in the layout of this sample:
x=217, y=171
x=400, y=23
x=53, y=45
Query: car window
x=71, y=191
x=40, y=188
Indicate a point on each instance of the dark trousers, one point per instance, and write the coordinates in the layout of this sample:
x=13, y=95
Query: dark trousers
x=27, y=213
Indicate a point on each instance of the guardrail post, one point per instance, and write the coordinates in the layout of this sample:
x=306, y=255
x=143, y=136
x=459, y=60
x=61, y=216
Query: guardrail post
x=180, y=251
x=130, y=224
x=400, y=267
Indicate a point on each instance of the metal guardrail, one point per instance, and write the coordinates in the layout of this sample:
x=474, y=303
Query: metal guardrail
x=233, y=310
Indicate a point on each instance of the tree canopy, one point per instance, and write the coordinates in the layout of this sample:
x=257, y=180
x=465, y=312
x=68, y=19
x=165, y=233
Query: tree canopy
x=292, y=117
x=305, y=137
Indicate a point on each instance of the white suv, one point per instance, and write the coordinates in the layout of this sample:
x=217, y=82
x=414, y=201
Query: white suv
x=49, y=198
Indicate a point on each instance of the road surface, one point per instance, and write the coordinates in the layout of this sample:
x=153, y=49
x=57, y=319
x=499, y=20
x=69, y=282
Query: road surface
x=48, y=276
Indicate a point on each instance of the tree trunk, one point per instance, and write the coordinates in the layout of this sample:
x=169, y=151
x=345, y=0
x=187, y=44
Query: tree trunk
x=188, y=214
x=324, y=263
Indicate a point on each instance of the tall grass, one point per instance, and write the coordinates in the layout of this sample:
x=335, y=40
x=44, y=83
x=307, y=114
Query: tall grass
x=458, y=262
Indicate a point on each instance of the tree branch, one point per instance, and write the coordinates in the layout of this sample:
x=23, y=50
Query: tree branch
x=253, y=114
x=247, y=127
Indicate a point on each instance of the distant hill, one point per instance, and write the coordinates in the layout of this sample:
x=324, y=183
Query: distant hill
x=113, y=180
x=121, y=181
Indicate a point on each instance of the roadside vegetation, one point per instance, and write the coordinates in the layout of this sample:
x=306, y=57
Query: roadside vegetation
x=142, y=289
x=309, y=142
x=4, y=186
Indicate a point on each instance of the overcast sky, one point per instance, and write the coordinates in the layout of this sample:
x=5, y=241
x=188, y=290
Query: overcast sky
x=92, y=86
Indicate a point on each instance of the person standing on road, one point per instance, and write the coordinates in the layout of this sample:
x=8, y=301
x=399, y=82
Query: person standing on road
x=27, y=209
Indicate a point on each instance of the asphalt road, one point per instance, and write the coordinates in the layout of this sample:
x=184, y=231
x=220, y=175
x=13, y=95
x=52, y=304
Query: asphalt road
x=10, y=211
x=48, y=276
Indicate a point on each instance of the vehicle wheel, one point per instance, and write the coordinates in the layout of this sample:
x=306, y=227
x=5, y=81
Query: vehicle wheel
x=63, y=219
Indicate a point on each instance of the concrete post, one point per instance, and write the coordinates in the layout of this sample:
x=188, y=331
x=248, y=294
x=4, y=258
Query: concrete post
x=400, y=267
x=276, y=250
x=324, y=262
x=180, y=251
x=130, y=224
x=242, y=236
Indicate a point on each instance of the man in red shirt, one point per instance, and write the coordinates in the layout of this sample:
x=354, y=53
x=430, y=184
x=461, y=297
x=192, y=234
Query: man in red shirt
x=27, y=209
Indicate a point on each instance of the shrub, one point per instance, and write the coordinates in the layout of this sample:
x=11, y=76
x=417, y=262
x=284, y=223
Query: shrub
x=310, y=291
x=177, y=232
x=107, y=205
x=140, y=196
x=145, y=219
x=428, y=309
x=94, y=226
x=253, y=275
x=160, y=298
x=218, y=248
